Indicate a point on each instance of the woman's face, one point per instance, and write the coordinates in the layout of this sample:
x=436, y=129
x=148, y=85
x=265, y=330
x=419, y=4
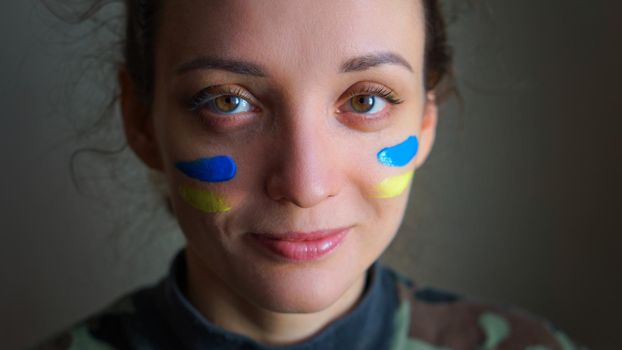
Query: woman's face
x=278, y=118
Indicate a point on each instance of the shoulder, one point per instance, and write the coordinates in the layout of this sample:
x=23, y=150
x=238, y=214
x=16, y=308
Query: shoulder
x=434, y=319
x=113, y=327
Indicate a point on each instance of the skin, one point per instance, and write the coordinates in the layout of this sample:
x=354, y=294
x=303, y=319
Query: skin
x=305, y=162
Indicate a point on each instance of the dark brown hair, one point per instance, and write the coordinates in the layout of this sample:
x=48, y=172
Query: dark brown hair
x=141, y=27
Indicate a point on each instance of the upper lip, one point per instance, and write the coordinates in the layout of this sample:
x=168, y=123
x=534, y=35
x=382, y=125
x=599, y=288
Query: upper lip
x=297, y=236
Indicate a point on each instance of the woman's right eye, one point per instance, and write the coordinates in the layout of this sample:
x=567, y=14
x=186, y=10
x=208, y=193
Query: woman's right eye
x=229, y=104
x=224, y=102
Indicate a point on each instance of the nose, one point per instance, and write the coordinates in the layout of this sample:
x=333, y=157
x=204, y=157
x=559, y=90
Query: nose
x=305, y=168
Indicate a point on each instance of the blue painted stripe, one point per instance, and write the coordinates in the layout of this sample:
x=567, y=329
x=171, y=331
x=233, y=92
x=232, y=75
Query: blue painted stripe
x=399, y=155
x=214, y=169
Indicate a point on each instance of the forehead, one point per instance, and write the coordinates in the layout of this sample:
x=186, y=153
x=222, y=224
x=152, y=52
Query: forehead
x=290, y=36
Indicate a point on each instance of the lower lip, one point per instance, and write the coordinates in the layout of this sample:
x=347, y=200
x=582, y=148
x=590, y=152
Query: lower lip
x=303, y=250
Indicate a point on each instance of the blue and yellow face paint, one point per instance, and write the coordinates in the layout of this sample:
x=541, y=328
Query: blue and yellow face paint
x=397, y=156
x=213, y=169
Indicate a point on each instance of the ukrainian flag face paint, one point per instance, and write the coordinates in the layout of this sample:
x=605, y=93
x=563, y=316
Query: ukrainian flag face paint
x=397, y=156
x=212, y=170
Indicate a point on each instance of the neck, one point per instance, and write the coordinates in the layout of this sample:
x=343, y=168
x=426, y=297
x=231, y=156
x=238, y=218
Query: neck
x=224, y=307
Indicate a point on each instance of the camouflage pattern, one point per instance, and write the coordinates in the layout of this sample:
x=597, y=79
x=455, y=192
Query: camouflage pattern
x=400, y=314
x=431, y=319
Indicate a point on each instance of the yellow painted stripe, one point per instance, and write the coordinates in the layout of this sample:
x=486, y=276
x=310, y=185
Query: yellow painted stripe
x=394, y=186
x=203, y=200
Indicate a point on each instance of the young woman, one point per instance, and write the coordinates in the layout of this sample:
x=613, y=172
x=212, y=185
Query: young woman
x=288, y=133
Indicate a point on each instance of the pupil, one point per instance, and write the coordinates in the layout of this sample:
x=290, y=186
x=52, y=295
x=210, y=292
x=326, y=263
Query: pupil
x=364, y=103
x=227, y=103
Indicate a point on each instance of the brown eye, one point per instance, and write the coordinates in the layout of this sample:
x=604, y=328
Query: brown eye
x=367, y=104
x=363, y=103
x=222, y=100
x=226, y=103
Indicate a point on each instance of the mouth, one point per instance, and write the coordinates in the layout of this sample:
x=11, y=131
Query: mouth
x=301, y=246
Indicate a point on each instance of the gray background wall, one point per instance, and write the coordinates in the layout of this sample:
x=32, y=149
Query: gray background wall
x=520, y=202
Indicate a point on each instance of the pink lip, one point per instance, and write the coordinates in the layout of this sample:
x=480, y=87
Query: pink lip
x=302, y=246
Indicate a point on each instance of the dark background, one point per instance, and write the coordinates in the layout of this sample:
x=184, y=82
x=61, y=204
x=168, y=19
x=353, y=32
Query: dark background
x=519, y=203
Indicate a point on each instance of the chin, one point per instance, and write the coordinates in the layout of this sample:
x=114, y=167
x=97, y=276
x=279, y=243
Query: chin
x=300, y=289
x=303, y=300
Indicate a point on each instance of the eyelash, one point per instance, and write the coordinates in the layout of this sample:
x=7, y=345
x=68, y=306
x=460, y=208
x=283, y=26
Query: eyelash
x=210, y=93
x=380, y=91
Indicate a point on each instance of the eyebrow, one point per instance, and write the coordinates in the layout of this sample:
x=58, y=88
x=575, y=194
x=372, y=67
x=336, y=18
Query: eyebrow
x=231, y=65
x=361, y=63
x=354, y=64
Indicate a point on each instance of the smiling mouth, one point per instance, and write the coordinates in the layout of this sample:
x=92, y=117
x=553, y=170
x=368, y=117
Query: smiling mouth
x=301, y=246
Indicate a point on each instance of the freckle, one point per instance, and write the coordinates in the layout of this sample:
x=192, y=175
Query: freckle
x=206, y=201
x=394, y=186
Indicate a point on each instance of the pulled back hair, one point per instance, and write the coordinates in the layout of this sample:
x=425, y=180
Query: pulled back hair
x=142, y=23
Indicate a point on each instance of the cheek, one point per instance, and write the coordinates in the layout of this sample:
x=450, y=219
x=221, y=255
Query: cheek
x=202, y=186
x=399, y=155
x=393, y=186
x=210, y=170
x=204, y=200
x=395, y=160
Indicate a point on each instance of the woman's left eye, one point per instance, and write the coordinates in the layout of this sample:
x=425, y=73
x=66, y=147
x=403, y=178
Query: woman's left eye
x=370, y=100
x=366, y=104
